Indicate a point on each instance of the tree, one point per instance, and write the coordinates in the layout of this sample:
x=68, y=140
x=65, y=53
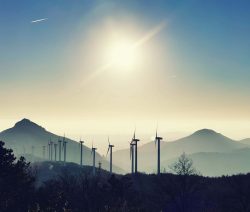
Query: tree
x=183, y=188
x=16, y=182
x=184, y=166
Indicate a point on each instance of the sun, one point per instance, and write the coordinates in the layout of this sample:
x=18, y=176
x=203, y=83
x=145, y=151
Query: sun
x=122, y=55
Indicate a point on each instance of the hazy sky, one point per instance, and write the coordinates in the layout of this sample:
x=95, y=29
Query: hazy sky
x=189, y=68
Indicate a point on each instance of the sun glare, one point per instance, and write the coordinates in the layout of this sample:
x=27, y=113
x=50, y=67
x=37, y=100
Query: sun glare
x=122, y=55
x=121, y=51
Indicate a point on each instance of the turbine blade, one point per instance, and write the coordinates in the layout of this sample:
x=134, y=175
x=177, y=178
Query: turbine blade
x=107, y=152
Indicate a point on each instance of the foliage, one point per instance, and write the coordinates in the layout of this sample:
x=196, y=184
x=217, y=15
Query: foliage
x=182, y=192
x=16, y=182
x=183, y=166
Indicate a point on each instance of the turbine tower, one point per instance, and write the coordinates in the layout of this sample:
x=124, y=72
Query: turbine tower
x=55, y=148
x=65, y=149
x=81, y=143
x=60, y=149
x=93, y=152
x=132, y=156
x=135, y=141
x=110, y=148
x=49, y=150
x=158, y=141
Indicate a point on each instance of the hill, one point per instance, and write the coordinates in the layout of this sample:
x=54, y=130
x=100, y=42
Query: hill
x=204, y=140
x=26, y=134
x=50, y=170
x=218, y=163
x=245, y=141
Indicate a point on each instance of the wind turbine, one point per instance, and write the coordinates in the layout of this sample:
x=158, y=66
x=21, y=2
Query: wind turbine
x=158, y=141
x=60, y=148
x=49, y=150
x=132, y=155
x=55, y=148
x=93, y=152
x=135, y=141
x=110, y=147
x=65, y=149
x=81, y=142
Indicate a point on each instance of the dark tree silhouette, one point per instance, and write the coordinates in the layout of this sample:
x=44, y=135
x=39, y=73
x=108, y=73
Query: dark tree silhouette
x=184, y=166
x=16, y=182
x=77, y=190
x=183, y=188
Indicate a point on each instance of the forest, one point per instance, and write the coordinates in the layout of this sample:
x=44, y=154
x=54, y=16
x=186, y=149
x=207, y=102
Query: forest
x=184, y=190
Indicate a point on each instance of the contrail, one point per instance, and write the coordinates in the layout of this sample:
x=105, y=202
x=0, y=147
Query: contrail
x=39, y=20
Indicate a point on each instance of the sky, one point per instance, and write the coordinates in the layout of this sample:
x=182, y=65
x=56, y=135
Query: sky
x=186, y=68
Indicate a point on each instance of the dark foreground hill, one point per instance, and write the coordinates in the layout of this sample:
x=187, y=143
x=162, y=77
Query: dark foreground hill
x=80, y=191
x=49, y=170
x=142, y=192
x=70, y=187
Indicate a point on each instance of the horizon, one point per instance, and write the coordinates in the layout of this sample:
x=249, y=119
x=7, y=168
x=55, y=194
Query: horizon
x=120, y=140
x=104, y=67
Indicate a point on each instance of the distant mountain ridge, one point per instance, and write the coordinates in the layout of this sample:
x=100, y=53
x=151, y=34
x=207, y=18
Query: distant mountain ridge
x=25, y=134
x=205, y=140
x=245, y=141
x=212, y=152
x=219, y=163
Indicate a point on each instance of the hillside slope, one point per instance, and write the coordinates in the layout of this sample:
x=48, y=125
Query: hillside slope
x=204, y=140
x=26, y=134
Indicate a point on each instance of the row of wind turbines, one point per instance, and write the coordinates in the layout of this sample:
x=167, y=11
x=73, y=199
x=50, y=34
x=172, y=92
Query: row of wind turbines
x=134, y=153
x=62, y=145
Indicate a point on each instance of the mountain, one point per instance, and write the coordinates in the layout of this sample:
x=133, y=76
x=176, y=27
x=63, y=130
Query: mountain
x=218, y=163
x=245, y=141
x=204, y=140
x=26, y=134
x=213, y=153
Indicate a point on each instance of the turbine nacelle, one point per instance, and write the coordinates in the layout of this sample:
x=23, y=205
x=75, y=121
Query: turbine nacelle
x=110, y=146
x=135, y=140
x=80, y=142
x=157, y=138
x=93, y=150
